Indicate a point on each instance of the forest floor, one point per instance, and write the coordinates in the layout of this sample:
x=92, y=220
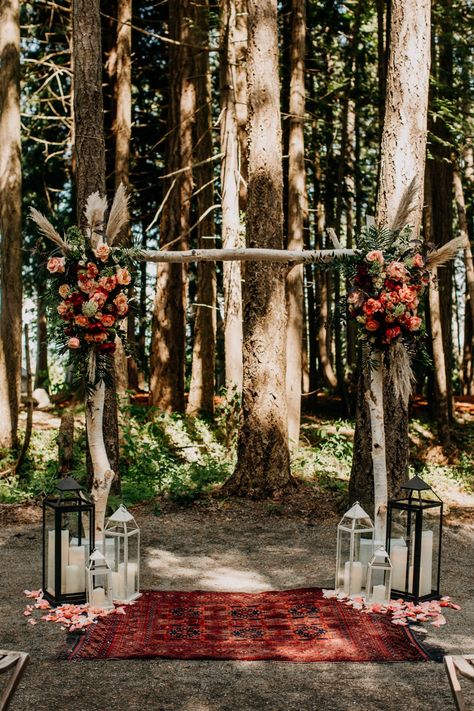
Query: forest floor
x=217, y=544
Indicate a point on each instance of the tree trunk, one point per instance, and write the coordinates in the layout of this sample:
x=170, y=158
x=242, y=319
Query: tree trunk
x=230, y=180
x=168, y=346
x=201, y=389
x=10, y=222
x=263, y=465
x=123, y=130
x=89, y=150
x=402, y=166
x=239, y=82
x=468, y=347
x=297, y=210
x=42, y=370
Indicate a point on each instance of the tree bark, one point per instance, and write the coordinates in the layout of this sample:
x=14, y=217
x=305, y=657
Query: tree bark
x=168, y=347
x=42, y=370
x=239, y=82
x=263, y=465
x=297, y=210
x=230, y=182
x=402, y=166
x=89, y=151
x=468, y=347
x=10, y=222
x=201, y=389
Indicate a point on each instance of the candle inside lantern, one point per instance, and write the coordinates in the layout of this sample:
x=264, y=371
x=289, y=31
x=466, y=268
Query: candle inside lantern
x=352, y=578
x=366, y=552
x=117, y=586
x=378, y=593
x=426, y=562
x=73, y=579
x=98, y=597
x=398, y=556
x=51, y=584
x=77, y=557
x=127, y=580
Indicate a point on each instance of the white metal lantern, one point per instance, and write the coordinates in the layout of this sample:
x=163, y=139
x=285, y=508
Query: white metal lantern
x=99, y=582
x=379, y=577
x=355, y=547
x=122, y=550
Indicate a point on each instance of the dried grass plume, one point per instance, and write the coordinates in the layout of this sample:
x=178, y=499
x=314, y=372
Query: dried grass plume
x=47, y=229
x=445, y=253
x=118, y=214
x=94, y=211
x=400, y=372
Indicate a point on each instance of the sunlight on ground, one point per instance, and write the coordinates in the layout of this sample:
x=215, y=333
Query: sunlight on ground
x=205, y=572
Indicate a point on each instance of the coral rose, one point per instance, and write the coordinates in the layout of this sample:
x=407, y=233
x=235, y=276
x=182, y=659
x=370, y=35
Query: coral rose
x=64, y=290
x=92, y=270
x=371, y=306
x=375, y=256
x=102, y=252
x=121, y=302
x=86, y=285
x=63, y=308
x=89, y=337
x=82, y=321
x=108, y=282
x=407, y=294
x=107, y=320
x=56, y=265
x=99, y=298
x=391, y=333
x=418, y=261
x=99, y=337
x=123, y=276
x=413, y=323
x=397, y=271
x=371, y=324
x=74, y=343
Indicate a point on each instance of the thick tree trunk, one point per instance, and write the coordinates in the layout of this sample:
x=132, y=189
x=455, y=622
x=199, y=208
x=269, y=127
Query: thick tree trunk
x=402, y=167
x=10, y=222
x=89, y=151
x=263, y=465
x=239, y=82
x=168, y=347
x=230, y=181
x=201, y=389
x=468, y=347
x=297, y=210
x=42, y=370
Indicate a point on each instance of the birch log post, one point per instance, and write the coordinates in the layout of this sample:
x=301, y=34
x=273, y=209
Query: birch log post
x=374, y=397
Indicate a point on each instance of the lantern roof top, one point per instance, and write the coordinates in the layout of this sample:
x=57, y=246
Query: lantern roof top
x=96, y=556
x=416, y=483
x=122, y=515
x=356, y=511
x=67, y=483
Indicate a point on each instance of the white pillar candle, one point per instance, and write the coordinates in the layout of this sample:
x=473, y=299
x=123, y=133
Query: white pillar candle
x=426, y=562
x=73, y=579
x=378, y=594
x=352, y=578
x=366, y=552
x=77, y=556
x=117, y=588
x=131, y=579
x=98, y=597
x=64, y=557
x=50, y=578
x=398, y=556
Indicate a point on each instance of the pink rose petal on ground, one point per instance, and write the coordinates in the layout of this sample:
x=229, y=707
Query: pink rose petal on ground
x=26, y=613
x=402, y=622
x=455, y=607
x=441, y=620
x=32, y=622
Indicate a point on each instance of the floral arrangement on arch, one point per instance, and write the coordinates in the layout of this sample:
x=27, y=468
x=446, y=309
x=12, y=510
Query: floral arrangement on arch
x=386, y=294
x=91, y=276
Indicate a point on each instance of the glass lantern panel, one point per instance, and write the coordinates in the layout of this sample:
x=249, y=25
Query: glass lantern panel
x=429, y=560
x=352, y=561
x=400, y=549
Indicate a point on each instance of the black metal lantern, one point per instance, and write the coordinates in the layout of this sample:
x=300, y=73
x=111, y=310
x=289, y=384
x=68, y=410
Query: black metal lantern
x=68, y=539
x=414, y=534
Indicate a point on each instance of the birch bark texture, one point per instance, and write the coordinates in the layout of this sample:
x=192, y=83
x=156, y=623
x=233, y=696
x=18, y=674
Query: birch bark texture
x=230, y=180
x=297, y=209
x=10, y=222
x=403, y=148
x=263, y=465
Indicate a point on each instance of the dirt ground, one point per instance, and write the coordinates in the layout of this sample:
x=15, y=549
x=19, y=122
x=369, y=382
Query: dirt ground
x=227, y=546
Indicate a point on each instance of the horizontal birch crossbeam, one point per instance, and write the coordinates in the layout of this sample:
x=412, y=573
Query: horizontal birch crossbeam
x=283, y=256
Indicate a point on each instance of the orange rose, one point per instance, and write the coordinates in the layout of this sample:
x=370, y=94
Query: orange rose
x=92, y=270
x=99, y=298
x=56, y=265
x=407, y=294
x=102, y=252
x=64, y=290
x=418, y=261
x=74, y=343
x=82, y=321
x=107, y=320
x=371, y=324
x=121, y=302
x=99, y=337
x=413, y=323
x=108, y=282
x=123, y=276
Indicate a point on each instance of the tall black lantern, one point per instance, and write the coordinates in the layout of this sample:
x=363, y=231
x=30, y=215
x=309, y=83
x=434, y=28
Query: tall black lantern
x=68, y=539
x=414, y=533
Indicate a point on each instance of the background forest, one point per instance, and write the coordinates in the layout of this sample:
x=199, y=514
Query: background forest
x=175, y=113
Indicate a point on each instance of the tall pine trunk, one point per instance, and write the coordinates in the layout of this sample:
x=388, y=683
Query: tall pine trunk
x=10, y=222
x=402, y=166
x=168, y=345
x=201, y=389
x=297, y=209
x=263, y=465
x=89, y=154
x=230, y=181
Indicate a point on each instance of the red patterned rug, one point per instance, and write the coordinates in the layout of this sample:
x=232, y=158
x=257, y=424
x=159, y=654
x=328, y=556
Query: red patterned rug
x=290, y=625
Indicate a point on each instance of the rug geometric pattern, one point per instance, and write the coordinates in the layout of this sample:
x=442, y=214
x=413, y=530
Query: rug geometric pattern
x=291, y=625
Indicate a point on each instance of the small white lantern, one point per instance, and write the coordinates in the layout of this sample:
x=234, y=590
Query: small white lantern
x=122, y=550
x=379, y=577
x=355, y=547
x=99, y=583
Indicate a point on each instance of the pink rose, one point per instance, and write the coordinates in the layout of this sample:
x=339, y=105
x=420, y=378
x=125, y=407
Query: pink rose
x=64, y=290
x=123, y=276
x=74, y=343
x=99, y=337
x=99, y=298
x=56, y=265
x=63, y=308
x=107, y=320
x=371, y=306
x=121, y=302
x=375, y=256
x=92, y=270
x=108, y=282
x=86, y=285
x=413, y=323
x=407, y=294
x=394, y=297
x=418, y=261
x=371, y=324
x=102, y=252
x=397, y=271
